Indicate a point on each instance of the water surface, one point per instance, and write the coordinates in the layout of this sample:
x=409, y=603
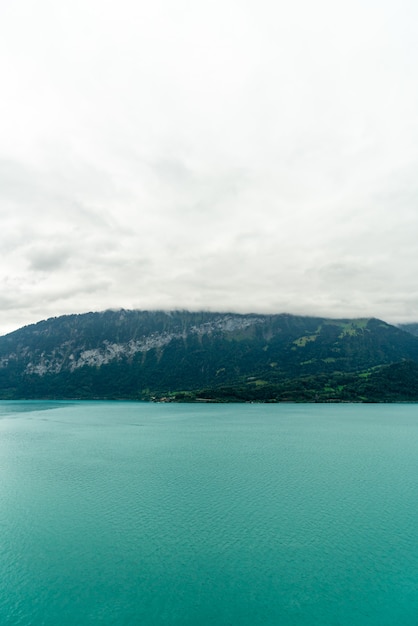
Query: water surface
x=167, y=514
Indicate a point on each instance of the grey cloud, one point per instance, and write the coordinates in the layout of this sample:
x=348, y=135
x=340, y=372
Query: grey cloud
x=341, y=271
x=45, y=260
x=271, y=169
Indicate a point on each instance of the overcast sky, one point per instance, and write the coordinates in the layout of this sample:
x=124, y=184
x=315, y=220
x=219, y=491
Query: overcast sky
x=243, y=155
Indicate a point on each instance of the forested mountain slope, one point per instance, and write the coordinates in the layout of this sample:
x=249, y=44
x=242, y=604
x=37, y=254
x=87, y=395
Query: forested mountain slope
x=410, y=328
x=141, y=354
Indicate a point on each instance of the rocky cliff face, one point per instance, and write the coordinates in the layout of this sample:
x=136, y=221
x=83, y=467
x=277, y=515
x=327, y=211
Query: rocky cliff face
x=94, y=340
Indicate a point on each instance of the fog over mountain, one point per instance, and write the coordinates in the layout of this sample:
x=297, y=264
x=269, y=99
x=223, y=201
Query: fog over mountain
x=250, y=157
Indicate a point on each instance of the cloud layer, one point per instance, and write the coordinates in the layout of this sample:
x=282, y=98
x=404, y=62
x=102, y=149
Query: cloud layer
x=247, y=156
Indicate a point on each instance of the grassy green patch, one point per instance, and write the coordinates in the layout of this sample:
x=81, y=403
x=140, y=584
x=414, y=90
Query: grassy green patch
x=353, y=327
x=302, y=341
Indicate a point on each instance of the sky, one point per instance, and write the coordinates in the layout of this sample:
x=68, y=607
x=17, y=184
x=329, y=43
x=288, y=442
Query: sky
x=231, y=155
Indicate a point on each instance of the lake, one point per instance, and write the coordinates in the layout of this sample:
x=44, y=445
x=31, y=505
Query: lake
x=196, y=515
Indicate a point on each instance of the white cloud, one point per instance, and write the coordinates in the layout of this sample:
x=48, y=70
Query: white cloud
x=254, y=156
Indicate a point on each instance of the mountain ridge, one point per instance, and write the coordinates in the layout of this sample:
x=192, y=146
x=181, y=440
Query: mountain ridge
x=132, y=354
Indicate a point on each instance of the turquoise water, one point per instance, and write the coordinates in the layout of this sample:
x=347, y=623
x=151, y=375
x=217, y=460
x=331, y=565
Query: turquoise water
x=168, y=514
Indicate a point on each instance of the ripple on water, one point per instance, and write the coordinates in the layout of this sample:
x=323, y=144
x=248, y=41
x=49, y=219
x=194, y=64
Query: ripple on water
x=244, y=515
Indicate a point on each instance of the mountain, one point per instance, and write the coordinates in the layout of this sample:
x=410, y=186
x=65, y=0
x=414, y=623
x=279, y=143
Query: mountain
x=410, y=328
x=214, y=356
